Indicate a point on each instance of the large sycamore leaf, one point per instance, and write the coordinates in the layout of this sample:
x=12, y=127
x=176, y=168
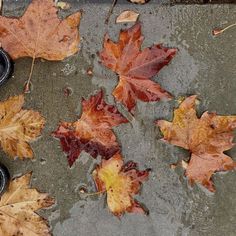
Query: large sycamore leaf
x=18, y=127
x=40, y=33
x=135, y=67
x=17, y=209
x=206, y=138
x=121, y=182
x=93, y=131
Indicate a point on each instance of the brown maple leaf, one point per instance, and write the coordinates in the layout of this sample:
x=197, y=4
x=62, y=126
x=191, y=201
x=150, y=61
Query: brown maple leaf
x=40, y=33
x=18, y=127
x=121, y=182
x=92, y=132
x=17, y=209
x=135, y=67
x=206, y=138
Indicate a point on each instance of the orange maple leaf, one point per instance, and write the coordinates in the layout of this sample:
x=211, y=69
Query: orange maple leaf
x=206, y=138
x=135, y=67
x=121, y=182
x=93, y=131
x=40, y=33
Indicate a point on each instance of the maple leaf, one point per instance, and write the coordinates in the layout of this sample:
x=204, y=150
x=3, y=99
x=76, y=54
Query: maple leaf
x=135, y=67
x=93, y=131
x=18, y=127
x=17, y=209
x=121, y=182
x=206, y=138
x=40, y=33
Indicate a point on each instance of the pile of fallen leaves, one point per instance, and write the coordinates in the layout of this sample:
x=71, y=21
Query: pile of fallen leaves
x=39, y=33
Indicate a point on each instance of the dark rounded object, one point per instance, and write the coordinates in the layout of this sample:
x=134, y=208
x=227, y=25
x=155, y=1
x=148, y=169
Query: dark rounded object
x=4, y=178
x=6, y=66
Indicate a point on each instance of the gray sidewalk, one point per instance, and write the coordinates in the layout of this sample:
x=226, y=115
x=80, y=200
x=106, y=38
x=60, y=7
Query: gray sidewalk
x=204, y=66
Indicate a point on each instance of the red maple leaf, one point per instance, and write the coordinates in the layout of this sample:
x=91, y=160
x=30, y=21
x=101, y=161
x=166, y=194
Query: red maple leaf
x=135, y=67
x=92, y=132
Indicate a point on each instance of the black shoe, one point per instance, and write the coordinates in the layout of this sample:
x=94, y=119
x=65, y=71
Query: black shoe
x=4, y=178
x=6, y=66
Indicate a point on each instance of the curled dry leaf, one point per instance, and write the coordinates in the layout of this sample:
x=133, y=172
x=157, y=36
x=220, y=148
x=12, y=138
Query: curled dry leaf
x=92, y=132
x=40, y=33
x=121, y=182
x=135, y=67
x=206, y=138
x=127, y=16
x=17, y=209
x=18, y=127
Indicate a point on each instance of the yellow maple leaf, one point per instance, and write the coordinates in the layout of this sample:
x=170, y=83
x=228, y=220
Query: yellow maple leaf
x=121, y=182
x=18, y=127
x=17, y=209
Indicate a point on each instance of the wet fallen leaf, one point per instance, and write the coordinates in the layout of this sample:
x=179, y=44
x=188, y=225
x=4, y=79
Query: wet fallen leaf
x=40, y=33
x=18, y=127
x=17, y=209
x=121, y=182
x=135, y=67
x=206, y=138
x=127, y=16
x=92, y=132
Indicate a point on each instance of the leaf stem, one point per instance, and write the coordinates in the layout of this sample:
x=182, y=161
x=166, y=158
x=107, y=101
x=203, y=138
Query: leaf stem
x=220, y=31
x=27, y=85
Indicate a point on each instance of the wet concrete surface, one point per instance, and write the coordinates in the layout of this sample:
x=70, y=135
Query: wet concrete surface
x=204, y=66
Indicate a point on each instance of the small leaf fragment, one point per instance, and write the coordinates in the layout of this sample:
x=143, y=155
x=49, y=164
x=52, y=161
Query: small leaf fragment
x=92, y=132
x=63, y=5
x=127, y=16
x=139, y=1
x=184, y=164
x=18, y=208
x=18, y=127
x=121, y=182
x=206, y=138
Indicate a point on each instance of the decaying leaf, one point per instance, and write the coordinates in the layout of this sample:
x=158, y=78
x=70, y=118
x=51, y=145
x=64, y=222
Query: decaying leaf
x=127, y=16
x=18, y=127
x=121, y=182
x=17, y=209
x=135, y=67
x=40, y=33
x=206, y=138
x=92, y=132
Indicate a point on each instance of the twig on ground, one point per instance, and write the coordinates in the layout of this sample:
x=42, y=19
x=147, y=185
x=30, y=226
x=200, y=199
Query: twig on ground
x=110, y=11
